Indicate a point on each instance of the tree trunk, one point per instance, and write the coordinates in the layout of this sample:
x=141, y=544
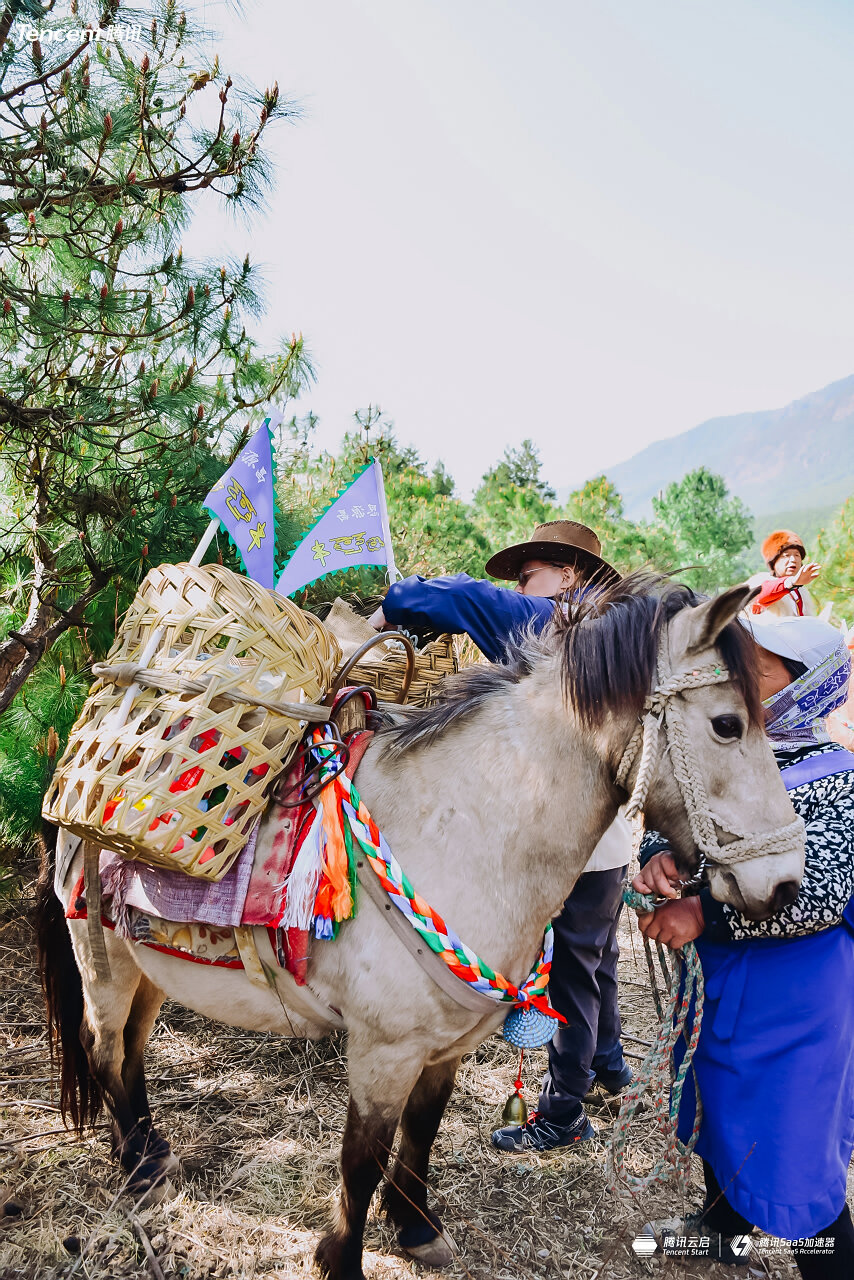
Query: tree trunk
x=21, y=653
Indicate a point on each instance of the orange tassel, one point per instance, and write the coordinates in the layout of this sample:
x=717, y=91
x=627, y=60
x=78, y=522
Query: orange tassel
x=337, y=866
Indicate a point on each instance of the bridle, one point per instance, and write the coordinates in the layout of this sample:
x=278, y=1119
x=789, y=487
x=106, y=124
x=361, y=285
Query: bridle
x=663, y=708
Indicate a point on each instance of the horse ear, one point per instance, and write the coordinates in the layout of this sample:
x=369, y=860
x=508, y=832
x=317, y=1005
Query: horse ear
x=709, y=619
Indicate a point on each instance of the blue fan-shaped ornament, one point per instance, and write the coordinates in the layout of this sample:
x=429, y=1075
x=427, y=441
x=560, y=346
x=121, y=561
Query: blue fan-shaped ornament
x=528, y=1028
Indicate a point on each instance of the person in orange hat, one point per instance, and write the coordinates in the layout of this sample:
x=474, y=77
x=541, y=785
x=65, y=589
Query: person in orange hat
x=785, y=593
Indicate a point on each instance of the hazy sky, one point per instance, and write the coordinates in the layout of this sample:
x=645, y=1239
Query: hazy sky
x=595, y=223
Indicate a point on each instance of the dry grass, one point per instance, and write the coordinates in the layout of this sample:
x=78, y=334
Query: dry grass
x=257, y=1121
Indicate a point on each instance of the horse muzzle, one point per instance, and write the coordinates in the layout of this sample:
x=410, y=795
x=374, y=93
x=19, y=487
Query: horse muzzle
x=758, y=887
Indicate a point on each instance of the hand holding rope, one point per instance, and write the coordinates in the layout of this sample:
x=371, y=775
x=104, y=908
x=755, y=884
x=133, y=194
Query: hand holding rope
x=655, y=1076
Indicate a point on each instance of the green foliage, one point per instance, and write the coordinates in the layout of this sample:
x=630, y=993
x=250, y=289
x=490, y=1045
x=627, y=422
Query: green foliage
x=513, y=497
x=125, y=365
x=127, y=379
x=33, y=732
x=835, y=554
x=625, y=545
x=518, y=469
x=710, y=529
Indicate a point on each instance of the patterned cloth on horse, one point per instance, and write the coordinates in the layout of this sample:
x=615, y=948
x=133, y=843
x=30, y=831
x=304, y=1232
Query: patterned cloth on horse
x=184, y=915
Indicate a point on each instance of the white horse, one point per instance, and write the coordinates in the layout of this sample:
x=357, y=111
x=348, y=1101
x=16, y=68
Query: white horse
x=492, y=801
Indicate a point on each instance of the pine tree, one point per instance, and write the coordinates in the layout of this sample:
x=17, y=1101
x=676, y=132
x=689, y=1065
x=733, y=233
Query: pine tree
x=836, y=557
x=125, y=366
x=710, y=529
x=513, y=497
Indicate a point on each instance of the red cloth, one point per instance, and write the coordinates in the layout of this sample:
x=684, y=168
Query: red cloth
x=772, y=590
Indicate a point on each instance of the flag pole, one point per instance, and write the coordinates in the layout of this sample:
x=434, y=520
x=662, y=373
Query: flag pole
x=157, y=635
x=393, y=571
x=205, y=541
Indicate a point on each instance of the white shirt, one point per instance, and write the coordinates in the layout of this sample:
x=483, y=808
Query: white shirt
x=615, y=847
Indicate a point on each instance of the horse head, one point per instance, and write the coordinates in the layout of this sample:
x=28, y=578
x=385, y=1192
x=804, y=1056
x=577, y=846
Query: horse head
x=697, y=760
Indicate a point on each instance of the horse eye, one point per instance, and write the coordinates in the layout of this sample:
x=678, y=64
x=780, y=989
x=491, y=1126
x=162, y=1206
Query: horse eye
x=727, y=727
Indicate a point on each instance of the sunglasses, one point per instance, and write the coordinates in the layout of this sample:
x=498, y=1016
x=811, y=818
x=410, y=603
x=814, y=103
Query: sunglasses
x=526, y=576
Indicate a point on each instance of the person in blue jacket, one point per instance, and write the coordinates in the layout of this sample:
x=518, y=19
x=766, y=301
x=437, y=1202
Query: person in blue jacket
x=775, y=1059
x=561, y=557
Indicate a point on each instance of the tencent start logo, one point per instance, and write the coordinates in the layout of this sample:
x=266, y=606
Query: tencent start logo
x=644, y=1246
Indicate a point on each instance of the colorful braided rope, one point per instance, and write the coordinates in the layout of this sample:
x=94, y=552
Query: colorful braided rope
x=343, y=807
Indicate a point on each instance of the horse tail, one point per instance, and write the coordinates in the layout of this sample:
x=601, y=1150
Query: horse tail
x=80, y=1096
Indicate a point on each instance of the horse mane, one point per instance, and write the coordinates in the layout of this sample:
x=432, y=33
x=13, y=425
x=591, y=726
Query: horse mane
x=607, y=644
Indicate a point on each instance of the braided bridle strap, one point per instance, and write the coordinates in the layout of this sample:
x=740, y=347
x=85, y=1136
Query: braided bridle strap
x=663, y=708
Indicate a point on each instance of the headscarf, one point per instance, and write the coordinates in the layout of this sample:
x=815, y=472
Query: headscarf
x=795, y=717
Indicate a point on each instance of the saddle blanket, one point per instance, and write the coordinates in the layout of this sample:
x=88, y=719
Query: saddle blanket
x=196, y=940
x=248, y=893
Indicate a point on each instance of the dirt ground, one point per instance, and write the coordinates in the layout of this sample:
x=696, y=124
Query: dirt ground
x=257, y=1122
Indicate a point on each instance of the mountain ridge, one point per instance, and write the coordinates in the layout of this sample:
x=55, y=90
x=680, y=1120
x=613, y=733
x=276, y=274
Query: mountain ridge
x=799, y=456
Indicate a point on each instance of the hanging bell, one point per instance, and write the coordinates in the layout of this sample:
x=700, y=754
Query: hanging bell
x=515, y=1111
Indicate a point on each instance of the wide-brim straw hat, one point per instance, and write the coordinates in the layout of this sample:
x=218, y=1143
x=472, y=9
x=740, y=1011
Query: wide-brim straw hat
x=557, y=542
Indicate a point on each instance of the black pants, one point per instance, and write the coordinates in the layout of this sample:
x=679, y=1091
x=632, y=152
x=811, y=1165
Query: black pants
x=719, y=1215
x=583, y=987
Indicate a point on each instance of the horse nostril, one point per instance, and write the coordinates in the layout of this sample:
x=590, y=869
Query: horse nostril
x=784, y=895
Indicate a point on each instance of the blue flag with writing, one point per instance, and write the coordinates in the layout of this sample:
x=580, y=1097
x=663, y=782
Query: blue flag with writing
x=243, y=500
x=352, y=531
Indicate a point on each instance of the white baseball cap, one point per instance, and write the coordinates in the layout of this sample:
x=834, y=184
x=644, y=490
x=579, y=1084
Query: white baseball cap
x=806, y=640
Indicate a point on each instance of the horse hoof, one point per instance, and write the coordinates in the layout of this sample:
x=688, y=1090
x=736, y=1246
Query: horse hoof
x=159, y=1153
x=329, y=1261
x=438, y=1252
x=170, y=1164
x=153, y=1193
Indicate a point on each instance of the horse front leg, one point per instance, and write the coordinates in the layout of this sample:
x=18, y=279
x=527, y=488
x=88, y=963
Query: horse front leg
x=364, y=1156
x=420, y=1231
x=381, y=1079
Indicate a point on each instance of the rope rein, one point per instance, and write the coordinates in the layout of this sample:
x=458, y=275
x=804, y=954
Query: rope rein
x=655, y=1077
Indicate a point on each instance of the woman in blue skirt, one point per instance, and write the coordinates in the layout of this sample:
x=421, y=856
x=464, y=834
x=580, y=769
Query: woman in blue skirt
x=775, y=1058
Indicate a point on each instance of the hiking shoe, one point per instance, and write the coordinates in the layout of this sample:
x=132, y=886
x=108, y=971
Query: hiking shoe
x=689, y=1237
x=614, y=1082
x=540, y=1134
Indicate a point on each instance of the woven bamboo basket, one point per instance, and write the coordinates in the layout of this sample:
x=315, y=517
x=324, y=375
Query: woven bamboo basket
x=440, y=658
x=181, y=782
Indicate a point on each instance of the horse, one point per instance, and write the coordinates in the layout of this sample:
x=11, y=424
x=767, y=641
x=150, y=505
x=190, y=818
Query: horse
x=493, y=800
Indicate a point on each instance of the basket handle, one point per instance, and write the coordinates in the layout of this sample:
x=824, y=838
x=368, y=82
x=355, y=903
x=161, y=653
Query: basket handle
x=354, y=658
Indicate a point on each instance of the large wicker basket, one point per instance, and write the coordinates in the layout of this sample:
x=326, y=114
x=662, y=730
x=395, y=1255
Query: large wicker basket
x=181, y=782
